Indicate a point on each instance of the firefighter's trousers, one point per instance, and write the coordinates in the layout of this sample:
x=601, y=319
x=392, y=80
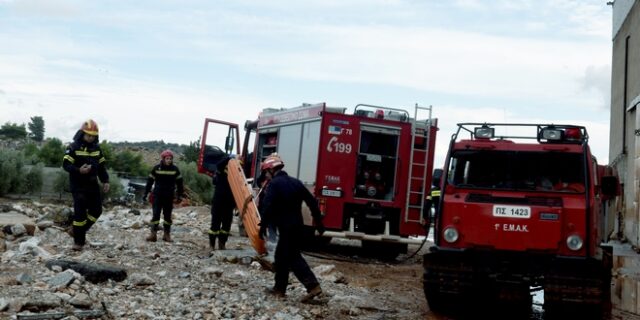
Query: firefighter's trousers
x=87, y=208
x=221, y=217
x=288, y=257
x=164, y=205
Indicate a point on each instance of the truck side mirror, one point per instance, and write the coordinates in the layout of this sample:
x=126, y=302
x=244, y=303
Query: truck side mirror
x=228, y=144
x=610, y=186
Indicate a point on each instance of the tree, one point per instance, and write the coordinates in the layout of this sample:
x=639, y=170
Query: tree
x=52, y=153
x=130, y=163
x=30, y=152
x=13, y=131
x=36, y=128
x=192, y=152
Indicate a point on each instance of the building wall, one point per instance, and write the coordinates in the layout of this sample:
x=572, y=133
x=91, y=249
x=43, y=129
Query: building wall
x=624, y=152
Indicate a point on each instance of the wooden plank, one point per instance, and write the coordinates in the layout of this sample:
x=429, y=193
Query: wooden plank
x=246, y=205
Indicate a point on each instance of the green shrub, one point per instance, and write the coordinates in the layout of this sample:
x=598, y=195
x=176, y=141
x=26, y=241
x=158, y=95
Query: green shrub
x=11, y=171
x=30, y=152
x=199, y=184
x=52, y=153
x=33, y=179
x=61, y=183
x=116, y=190
x=128, y=162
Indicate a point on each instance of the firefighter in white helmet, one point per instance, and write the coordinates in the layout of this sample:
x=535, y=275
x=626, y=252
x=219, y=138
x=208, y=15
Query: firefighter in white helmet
x=283, y=208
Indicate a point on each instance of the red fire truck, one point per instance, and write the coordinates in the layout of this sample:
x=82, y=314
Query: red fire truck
x=522, y=206
x=369, y=170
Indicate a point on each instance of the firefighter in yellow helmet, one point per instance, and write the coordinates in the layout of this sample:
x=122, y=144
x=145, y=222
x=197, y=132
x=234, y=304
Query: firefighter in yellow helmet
x=85, y=163
x=283, y=208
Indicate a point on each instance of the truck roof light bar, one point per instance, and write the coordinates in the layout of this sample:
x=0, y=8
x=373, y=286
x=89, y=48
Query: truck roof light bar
x=551, y=134
x=484, y=132
x=543, y=133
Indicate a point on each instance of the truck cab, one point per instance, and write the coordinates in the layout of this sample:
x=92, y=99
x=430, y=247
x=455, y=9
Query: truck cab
x=522, y=206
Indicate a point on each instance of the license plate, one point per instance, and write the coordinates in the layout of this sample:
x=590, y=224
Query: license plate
x=512, y=212
x=331, y=193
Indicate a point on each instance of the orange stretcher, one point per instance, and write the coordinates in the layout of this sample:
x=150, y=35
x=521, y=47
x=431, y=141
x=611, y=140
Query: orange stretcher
x=246, y=205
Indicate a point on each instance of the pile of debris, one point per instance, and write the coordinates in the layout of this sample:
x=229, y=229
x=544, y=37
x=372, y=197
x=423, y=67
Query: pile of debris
x=121, y=276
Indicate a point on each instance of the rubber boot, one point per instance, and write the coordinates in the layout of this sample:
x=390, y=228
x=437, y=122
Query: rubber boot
x=221, y=245
x=212, y=241
x=311, y=293
x=167, y=236
x=152, y=237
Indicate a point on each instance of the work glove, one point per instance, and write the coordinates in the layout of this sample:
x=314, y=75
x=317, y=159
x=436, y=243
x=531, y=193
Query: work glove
x=263, y=231
x=144, y=198
x=320, y=226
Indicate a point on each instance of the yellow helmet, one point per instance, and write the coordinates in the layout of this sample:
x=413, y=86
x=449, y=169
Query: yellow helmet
x=90, y=127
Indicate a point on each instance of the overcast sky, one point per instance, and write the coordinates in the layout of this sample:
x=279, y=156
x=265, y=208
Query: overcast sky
x=154, y=70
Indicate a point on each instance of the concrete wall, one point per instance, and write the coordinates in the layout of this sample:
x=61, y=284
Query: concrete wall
x=624, y=152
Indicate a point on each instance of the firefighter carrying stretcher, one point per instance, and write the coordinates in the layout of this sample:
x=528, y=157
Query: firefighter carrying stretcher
x=222, y=206
x=283, y=208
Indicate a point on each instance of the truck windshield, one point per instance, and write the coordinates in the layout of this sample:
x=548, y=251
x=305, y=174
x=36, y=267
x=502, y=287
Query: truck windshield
x=517, y=170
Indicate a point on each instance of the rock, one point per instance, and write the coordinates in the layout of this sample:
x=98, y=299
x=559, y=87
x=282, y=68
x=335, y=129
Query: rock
x=4, y=304
x=18, y=229
x=64, y=296
x=184, y=275
x=92, y=272
x=328, y=272
x=215, y=271
x=24, y=278
x=31, y=246
x=12, y=218
x=42, y=302
x=61, y=280
x=43, y=225
x=81, y=300
x=141, y=279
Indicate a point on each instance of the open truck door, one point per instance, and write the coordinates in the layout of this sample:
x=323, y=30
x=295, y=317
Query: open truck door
x=219, y=139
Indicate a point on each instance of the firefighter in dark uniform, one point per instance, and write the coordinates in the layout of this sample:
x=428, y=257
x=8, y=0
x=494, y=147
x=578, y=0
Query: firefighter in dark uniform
x=85, y=163
x=263, y=181
x=433, y=199
x=222, y=206
x=164, y=178
x=283, y=208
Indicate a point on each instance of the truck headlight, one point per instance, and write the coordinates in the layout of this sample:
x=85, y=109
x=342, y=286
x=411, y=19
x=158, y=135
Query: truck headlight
x=574, y=242
x=450, y=234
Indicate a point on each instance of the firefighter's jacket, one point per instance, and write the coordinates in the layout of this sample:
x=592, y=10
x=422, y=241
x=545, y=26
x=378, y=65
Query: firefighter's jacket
x=79, y=153
x=283, y=202
x=164, y=180
x=433, y=200
x=222, y=195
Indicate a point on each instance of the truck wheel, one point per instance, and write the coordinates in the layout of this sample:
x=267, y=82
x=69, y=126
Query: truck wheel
x=438, y=301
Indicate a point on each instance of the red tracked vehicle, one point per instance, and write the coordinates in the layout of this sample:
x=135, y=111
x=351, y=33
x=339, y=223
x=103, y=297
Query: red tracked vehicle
x=522, y=206
x=369, y=170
